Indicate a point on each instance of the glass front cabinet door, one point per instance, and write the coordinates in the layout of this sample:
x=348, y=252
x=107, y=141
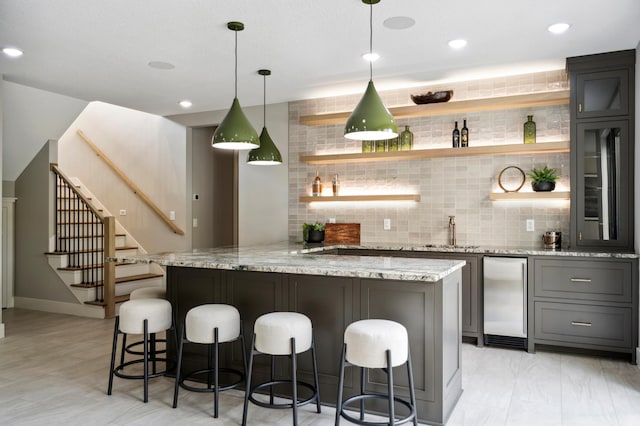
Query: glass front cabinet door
x=602, y=94
x=602, y=198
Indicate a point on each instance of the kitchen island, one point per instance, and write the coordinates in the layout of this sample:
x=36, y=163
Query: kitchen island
x=333, y=290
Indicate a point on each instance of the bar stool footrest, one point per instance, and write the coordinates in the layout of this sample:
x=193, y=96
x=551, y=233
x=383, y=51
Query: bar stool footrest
x=357, y=398
x=128, y=349
x=312, y=398
x=191, y=376
x=118, y=369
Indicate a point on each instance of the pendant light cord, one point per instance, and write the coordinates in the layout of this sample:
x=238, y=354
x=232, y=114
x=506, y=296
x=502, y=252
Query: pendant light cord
x=370, y=41
x=264, y=101
x=236, y=67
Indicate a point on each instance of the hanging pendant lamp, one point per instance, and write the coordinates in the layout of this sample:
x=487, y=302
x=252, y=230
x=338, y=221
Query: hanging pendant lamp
x=267, y=154
x=370, y=120
x=235, y=131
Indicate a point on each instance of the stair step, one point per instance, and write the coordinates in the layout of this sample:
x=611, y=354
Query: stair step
x=120, y=280
x=118, y=299
x=95, y=266
x=90, y=251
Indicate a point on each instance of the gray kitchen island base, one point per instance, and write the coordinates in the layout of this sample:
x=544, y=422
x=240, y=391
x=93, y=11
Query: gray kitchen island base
x=429, y=310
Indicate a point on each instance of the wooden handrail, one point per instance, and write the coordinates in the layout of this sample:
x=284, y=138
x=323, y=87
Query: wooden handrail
x=109, y=278
x=130, y=184
x=54, y=168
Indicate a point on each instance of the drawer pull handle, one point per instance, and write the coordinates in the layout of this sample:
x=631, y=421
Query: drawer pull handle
x=580, y=280
x=581, y=324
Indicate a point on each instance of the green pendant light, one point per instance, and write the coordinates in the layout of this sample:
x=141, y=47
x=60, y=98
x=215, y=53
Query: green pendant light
x=267, y=154
x=371, y=120
x=235, y=131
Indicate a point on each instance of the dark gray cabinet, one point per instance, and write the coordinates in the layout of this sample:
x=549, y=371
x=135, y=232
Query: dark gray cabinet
x=587, y=303
x=472, y=313
x=602, y=150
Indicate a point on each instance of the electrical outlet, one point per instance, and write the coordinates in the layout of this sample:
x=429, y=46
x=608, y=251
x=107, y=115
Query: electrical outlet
x=195, y=222
x=531, y=225
x=123, y=212
x=332, y=220
x=172, y=215
x=386, y=225
x=196, y=197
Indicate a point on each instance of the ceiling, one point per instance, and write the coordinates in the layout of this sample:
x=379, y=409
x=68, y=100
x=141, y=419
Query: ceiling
x=100, y=50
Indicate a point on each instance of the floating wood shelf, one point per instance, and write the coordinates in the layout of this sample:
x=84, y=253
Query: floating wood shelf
x=503, y=196
x=558, y=97
x=388, y=197
x=359, y=157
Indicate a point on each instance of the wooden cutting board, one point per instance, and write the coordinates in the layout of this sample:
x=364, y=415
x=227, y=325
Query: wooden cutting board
x=342, y=233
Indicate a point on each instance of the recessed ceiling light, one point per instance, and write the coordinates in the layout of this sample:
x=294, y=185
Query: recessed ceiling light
x=558, y=28
x=371, y=57
x=399, y=23
x=159, y=65
x=458, y=43
x=12, y=52
x=185, y=104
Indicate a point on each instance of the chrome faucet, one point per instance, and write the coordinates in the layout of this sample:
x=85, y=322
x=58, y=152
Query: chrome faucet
x=452, y=230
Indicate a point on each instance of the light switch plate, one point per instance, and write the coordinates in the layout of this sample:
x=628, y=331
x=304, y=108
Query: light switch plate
x=531, y=225
x=386, y=225
x=172, y=215
x=123, y=212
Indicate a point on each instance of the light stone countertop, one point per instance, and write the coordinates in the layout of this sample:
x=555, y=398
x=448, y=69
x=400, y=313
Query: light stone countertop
x=291, y=258
x=471, y=249
x=294, y=258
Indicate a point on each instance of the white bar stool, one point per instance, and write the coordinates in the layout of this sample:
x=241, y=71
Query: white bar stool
x=210, y=325
x=147, y=293
x=146, y=317
x=376, y=343
x=282, y=333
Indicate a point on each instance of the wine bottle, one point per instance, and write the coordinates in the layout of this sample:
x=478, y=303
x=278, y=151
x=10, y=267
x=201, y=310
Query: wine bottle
x=335, y=185
x=464, y=135
x=456, y=137
x=406, y=139
x=316, y=186
x=530, y=130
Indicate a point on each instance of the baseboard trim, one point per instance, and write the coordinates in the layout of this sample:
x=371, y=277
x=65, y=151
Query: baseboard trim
x=1, y=330
x=77, y=309
x=638, y=357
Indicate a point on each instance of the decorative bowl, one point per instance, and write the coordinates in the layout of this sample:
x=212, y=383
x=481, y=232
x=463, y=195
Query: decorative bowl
x=432, y=97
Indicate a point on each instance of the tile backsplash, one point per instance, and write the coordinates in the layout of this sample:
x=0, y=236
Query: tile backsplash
x=448, y=186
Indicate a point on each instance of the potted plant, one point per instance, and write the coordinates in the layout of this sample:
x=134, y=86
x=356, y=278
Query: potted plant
x=313, y=232
x=543, y=180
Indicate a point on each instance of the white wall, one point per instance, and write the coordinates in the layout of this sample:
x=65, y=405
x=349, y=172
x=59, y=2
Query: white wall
x=1, y=156
x=31, y=117
x=151, y=151
x=263, y=190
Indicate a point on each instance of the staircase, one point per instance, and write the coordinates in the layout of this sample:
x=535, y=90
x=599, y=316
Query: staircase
x=78, y=249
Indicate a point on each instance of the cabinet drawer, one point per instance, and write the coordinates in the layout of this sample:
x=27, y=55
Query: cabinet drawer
x=583, y=280
x=583, y=324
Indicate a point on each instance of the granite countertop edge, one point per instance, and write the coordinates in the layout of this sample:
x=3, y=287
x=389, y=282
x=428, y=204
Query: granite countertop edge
x=295, y=258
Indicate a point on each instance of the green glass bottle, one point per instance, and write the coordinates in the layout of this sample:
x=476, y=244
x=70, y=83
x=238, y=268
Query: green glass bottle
x=381, y=145
x=367, y=146
x=530, y=130
x=392, y=144
x=406, y=139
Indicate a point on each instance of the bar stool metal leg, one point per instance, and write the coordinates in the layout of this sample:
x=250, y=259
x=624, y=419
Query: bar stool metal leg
x=248, y=385
x=146, y=360
x=294, y=382
x=412, y=392
x=178, y=370
x=392, y=414
x=216, y=363
x=340, y=383
x=114, y=348
x=315, y=373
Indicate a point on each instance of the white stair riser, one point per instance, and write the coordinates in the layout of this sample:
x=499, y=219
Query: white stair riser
x=133, y=269
x=75, y=277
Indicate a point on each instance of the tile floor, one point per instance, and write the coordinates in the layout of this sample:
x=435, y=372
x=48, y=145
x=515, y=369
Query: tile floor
x=54, y=370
